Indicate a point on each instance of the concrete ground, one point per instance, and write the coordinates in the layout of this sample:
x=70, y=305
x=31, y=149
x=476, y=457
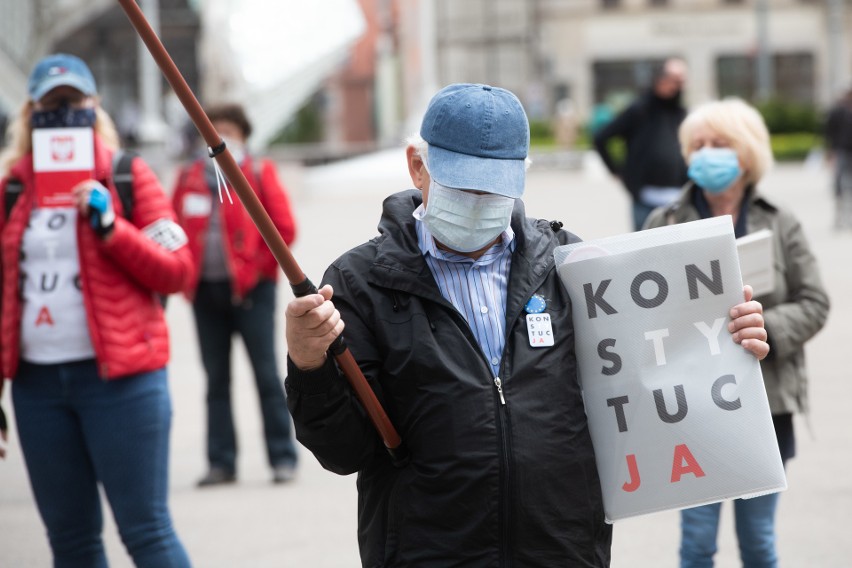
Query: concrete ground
x=311, y=522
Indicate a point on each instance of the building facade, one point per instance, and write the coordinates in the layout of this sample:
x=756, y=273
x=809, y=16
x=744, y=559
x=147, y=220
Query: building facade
x=603, y=51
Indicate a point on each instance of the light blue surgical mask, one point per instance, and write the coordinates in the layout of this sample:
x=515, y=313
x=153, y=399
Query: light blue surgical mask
x=464, y=221
x=714, y=169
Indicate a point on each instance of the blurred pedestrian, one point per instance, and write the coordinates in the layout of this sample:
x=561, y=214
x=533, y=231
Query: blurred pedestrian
x=233, y=292
x=502, y=468
x=727, y=147
x=838, y=139
x=83, y=333
x=4, y=124
x=653, y=170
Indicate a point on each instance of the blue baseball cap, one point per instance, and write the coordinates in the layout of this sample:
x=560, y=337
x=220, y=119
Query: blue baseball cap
x=478, y=138
x=60, y=70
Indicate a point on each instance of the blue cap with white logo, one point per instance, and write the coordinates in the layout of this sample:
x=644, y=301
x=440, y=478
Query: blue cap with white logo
x=478, y=139
x=60, y=70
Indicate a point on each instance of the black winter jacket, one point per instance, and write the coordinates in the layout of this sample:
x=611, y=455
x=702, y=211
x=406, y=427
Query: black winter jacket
x=489, y=484
x=649, y=128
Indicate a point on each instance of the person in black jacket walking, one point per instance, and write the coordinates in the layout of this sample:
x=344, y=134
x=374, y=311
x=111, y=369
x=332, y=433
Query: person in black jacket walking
x=838, y=139
x=653, y=171
x=502, y=470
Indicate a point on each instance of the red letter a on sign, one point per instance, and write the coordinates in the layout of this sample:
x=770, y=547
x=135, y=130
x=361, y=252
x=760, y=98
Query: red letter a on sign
x=43, y=317
x=681, y=455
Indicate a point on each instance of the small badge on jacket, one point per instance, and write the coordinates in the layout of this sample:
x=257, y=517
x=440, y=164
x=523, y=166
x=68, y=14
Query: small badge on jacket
x=539, y=327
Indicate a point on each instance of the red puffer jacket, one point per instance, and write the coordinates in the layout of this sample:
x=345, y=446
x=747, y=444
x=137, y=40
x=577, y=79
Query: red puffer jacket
x=119, y=277
x=246, y=255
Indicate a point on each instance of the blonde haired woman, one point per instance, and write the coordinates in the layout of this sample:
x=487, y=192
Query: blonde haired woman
x=726, y=145
x=83, y=333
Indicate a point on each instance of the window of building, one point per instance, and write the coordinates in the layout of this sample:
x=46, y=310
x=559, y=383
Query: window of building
x=735, y=76
x=619, y=81
x=793, y=76
x=610, y=4
x=658, y=3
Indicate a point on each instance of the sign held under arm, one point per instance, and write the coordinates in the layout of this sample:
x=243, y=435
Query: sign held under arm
x=668, y=394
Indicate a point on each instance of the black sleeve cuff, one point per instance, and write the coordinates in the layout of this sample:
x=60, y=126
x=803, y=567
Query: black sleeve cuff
x=316, y=381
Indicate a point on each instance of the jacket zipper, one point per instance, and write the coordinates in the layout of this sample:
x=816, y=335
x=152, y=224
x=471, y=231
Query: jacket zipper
x=505, y=427
x=502, y=415
x=499, y=384
x=506, y=481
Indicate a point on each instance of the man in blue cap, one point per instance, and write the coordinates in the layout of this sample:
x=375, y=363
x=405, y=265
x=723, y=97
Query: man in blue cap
x=502, y=469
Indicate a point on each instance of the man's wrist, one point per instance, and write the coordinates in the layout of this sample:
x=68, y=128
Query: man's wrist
x=308, y=366
x=315, y=381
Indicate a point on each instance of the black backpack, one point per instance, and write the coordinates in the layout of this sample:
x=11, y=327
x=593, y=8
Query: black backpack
x=122, y=177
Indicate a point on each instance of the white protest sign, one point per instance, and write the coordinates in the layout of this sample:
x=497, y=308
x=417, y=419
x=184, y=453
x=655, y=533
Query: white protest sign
x=62, y=157
x=677, y=411
x=63, y=150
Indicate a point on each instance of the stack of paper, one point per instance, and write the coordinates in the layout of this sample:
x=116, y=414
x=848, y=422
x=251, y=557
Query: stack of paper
x=757, y=261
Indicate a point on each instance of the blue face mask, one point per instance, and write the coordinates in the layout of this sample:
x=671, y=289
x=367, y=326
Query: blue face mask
x=714, y=169
x=64, y=117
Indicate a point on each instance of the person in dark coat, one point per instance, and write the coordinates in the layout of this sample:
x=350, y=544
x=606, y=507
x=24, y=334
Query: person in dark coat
x=838, y=139
x=653, y=171
x=502, y=470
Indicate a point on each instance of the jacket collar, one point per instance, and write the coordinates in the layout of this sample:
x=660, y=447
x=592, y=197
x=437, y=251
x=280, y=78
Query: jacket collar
x=683, y=209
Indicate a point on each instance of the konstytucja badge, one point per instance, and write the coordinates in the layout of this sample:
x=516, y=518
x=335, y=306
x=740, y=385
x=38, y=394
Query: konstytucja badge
x=677, y=411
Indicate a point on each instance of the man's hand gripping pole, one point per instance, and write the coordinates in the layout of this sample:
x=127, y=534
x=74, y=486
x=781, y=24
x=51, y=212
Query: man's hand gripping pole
x=298, y=281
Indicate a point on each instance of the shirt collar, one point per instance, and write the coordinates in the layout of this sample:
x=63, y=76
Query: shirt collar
x=428, y=246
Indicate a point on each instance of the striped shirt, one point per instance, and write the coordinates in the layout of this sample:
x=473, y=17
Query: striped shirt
x=476, y=288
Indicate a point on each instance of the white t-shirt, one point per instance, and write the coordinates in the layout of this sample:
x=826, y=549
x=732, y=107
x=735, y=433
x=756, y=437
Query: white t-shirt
x=53, y=324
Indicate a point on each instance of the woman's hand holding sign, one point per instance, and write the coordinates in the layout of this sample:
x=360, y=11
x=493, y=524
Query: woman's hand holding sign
x=747, y=326
x=95, y=203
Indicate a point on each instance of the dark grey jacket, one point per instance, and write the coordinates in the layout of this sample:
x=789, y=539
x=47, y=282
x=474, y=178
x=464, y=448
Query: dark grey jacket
x=489, y=485
x=794, y=312
x=649, y=129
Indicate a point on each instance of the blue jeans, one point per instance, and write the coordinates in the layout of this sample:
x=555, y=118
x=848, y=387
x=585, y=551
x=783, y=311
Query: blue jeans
x=755, y=522
x=217, y=319
x=76, y=431
x=754, y=518
x=640, y=214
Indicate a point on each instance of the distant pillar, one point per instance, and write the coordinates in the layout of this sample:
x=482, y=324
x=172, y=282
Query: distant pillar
x=152, y=126
x=838, y=58
x=426, y=81
x=765, y=79
x=429, y=47
x=386, y=92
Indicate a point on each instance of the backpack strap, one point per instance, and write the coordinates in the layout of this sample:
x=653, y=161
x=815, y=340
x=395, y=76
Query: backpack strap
x=122, y=177
x=14, y=187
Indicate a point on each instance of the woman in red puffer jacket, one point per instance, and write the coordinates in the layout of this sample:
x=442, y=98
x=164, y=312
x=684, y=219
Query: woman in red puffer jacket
x=83, y=333
x=233, y=292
